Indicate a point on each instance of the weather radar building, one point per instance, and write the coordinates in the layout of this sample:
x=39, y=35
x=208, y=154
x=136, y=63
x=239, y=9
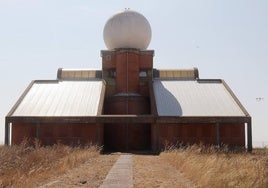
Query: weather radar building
x=129, y=105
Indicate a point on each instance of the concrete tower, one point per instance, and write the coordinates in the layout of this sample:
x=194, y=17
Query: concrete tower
x=127, y=69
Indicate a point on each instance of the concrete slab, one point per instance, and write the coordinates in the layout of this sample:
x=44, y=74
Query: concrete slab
x=121, y=174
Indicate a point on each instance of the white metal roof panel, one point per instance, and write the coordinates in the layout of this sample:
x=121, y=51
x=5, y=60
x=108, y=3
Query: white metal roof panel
x=193, y=98
x=61, y=98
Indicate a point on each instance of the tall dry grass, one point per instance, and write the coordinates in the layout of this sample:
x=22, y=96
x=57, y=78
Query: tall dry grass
x=210, y=167
x=27, y=165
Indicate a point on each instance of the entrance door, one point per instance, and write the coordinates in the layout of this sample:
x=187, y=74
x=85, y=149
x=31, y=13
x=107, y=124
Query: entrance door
x=127, y=137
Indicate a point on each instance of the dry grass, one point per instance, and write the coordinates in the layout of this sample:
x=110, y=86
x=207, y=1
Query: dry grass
x=209, y=167
x=31, y=166
x=152, y=171
x=27, y=165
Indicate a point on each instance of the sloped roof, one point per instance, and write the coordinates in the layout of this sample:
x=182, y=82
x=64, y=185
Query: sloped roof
x=60, y=98
x=195, y=98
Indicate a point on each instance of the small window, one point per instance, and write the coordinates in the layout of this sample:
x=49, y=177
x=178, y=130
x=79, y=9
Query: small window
x=108, y=57
x=112, y=73
x=143, y=74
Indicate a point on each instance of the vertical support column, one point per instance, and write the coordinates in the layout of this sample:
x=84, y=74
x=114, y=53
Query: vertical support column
x=37, y=130
x=154, y=137
x=249, y=136
x=217, y=134
x=157, y=137
x=99, y=134
x=127, y=80
x=7, y=132
x=127, y=137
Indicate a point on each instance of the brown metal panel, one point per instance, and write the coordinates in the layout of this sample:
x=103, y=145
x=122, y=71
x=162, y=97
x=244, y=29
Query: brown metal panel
x=127, y=105
x=100, y=134
x=174, y=134
x=115, y=137
x=122, y=137
x=139, y=137
x=22, y=131
x=68, y=133
x=232, y=134
x=54, y=132
x=154, y=137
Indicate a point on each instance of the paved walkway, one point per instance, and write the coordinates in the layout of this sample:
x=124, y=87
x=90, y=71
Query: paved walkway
x=121, y=174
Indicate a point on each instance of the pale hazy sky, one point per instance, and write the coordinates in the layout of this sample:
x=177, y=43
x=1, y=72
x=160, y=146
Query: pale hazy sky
x=225, y=39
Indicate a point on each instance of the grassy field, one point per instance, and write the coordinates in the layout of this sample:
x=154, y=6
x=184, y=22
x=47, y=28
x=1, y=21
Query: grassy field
x=30, y=166
x=27, y=165
x=209, y=167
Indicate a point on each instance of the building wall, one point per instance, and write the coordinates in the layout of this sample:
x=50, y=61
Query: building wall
x=127, y=105
x=48, y=134
x=175, y=134
x=127, y=92
x=121, y=71
x=125, y=137
x=127, y=73
x=232, y=134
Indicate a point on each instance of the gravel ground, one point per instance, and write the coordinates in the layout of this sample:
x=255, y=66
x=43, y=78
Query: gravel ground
x=90, y=174
x=148, y=171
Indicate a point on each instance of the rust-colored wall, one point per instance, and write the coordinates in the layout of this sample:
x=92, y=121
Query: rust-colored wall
x=127, y=72
x=187, y=134
x=64, y=133
x=22, y=131
x=121, y=71
x=110, y=58
x=122, y=137
x=173, y=134
x=127, y=105
x=232, y=134
x=146, y=61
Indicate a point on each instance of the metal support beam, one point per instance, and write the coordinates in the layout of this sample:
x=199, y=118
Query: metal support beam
x=98, y=134
x=7, y=133
x=249, y=136
x=37, y=130
x=217, y=134
x=127, y=135
x=157, y=137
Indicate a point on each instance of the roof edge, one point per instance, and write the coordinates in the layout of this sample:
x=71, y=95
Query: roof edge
x=20, y=99
x=102, y=96
x=235, y=98
x=130, y=119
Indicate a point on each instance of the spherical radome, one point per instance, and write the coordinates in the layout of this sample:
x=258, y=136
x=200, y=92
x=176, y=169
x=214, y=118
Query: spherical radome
x=127, y=29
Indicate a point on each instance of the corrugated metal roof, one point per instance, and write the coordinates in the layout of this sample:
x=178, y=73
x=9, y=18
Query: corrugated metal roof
x=193, y=98
x=61, y=98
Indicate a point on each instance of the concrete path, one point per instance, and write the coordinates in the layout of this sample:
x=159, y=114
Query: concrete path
x=121, y=174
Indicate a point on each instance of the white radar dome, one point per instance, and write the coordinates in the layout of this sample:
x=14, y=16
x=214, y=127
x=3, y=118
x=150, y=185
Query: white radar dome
x=127, y=29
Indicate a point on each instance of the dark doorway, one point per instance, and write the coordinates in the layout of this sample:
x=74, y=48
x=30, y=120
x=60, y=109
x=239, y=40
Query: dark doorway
x=127, y=137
